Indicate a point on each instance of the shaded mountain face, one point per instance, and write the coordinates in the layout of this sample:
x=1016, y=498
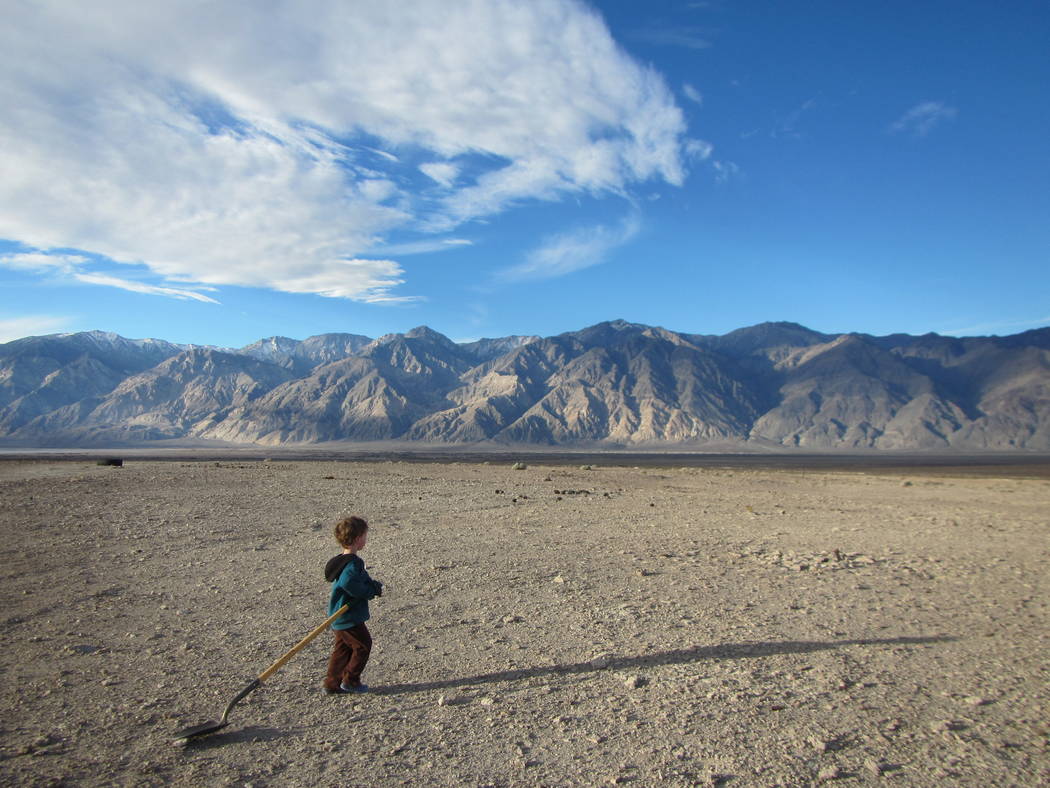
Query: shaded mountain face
x=182, y=396
x=848, y=393
x=614, y=384
x=39, y=375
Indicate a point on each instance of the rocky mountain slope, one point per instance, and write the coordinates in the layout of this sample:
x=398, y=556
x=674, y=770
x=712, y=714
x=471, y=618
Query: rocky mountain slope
x=612, y=384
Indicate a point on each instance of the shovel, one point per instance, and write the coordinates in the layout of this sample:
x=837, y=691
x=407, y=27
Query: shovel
x=210, y=727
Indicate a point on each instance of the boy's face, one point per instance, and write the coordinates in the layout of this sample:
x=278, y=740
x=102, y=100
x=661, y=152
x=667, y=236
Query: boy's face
x=359, y=543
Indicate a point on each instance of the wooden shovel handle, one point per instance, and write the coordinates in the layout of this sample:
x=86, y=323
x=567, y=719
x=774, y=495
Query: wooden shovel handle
x=301, y=644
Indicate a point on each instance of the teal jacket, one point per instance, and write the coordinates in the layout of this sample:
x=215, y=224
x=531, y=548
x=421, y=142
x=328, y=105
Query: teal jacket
x=351, y=584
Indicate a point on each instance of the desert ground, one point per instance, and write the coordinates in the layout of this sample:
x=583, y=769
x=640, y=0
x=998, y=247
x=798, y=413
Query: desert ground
x=556, y=624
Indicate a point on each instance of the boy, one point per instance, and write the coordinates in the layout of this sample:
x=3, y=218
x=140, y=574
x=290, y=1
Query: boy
x=351, y=585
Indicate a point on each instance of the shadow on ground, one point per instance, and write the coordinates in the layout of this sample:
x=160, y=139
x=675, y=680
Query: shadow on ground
x=723, y=651
x=251, y=733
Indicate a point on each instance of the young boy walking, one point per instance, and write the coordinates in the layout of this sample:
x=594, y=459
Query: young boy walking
x=351, y=584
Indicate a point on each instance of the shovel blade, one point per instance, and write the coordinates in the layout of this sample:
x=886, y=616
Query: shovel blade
x=211, y=727
x=197, y=731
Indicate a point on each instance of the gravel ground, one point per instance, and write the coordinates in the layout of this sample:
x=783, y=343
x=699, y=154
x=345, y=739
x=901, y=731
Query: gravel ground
x=553, y=625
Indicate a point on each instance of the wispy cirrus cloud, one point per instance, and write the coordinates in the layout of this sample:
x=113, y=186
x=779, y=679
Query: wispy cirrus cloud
x=441, y=172
x=38, y=261
x=428, y=246
x=788, y=124
x=725, y=171
x=998, y=328
x=675, y=35
x=72, y=267
x=700, y=150
x=141, y=287
x=923, y=118
x=693, y=94
x=248, y=144
x=565, y=253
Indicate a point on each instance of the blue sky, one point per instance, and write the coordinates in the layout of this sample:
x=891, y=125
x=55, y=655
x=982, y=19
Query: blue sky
x=219, y=172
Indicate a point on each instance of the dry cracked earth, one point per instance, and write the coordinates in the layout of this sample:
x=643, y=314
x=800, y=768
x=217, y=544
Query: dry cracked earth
x=551, y=625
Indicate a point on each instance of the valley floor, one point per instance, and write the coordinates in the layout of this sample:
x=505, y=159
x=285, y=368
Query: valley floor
x=556, y=625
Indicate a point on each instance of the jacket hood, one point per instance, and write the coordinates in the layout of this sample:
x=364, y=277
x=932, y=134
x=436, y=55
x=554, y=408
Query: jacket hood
x=336, y=565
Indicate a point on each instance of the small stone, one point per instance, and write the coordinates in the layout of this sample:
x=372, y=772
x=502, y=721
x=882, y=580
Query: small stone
x=874, y=767
x=600, y=662
x=829, y=773
x=453, y=700
x=634, y=682
x=975, y=700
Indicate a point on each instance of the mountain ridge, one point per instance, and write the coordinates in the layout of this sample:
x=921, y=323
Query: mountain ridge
x=615, y=384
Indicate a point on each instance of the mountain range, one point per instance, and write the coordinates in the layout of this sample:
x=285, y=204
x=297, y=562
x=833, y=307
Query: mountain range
x=613, y=385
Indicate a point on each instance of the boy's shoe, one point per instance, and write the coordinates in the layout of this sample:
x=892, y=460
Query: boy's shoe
x=356, y=688
x=337, y=691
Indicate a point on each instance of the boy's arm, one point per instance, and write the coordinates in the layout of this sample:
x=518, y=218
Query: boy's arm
x=356, y=583
x=377, y=587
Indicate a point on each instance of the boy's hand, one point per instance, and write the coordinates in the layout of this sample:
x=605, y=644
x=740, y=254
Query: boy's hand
x=379, y=588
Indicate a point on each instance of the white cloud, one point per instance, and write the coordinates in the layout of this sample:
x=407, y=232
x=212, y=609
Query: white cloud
x=693, y=94
x=268, y=145
x=364, y=280
x=999, y=328
x=38, y=261
x=30, y=326
x=725, y=171
x=442, y=172
x=424, y=247
x=675, y=36
x=699, y=149
x=567, y=252
x=921, y=119
x=141, y=287
x=71, y=267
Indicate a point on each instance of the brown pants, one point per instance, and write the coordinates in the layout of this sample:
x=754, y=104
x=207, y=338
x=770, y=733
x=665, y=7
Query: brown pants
x=349, y=657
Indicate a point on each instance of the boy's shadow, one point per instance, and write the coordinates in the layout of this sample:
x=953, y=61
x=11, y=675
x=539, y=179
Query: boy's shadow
x=674, y=657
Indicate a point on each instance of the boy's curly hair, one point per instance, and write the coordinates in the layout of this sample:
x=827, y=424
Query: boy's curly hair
x=349, y=529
